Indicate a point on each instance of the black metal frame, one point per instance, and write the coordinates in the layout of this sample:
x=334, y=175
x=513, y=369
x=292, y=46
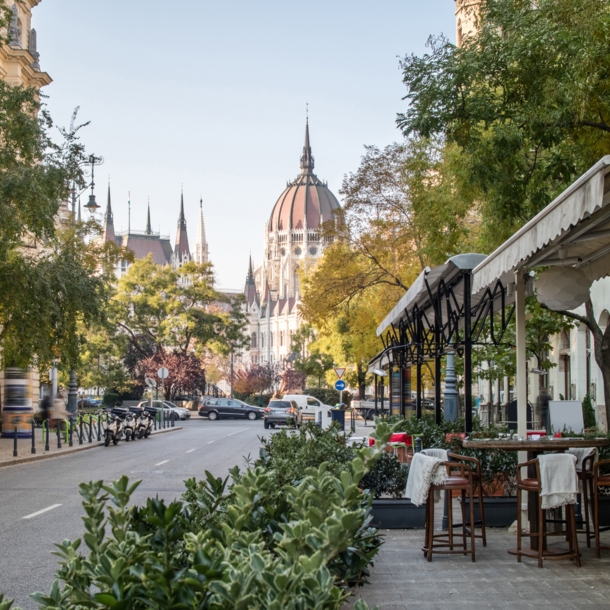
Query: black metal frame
x=442, y=324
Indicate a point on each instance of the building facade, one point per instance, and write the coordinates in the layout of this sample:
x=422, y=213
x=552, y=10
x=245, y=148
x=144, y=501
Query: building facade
x=292, y=242
x=148, y=242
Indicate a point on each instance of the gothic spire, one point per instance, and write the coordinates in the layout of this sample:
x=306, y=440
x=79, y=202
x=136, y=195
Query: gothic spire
x=182, y=251
x=148, y=225
x=250, y=276
x=108, y=220
x=307, y=162
x=201, y=245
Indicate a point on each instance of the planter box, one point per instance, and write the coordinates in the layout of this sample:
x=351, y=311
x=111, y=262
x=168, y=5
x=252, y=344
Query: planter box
x=499, y=512
x=398, y=513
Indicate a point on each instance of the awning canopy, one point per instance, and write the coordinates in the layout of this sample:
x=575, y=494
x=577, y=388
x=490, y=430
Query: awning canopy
x=428, y=281
x=573, y=230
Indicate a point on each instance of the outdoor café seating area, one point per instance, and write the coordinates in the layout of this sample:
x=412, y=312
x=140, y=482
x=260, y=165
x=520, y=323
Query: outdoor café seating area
x=468, y=304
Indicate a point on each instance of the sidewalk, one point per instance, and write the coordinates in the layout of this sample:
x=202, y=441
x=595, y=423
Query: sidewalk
x=24, y=446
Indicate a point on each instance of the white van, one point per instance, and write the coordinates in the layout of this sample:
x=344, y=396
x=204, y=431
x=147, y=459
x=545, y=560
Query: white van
x=311, y=408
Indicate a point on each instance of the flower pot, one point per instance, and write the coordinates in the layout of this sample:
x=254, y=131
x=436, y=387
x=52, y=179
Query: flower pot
x=398, y=513
x=499, y=512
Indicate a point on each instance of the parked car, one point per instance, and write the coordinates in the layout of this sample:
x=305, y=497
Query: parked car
x=283, y=413
x=215, y=408
x=171, y=410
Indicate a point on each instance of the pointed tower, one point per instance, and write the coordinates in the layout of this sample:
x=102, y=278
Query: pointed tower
x=250, y=288
x=307, y=162
x=148, y=225
x=108, y=220
x=181, y=250
x=201, y=245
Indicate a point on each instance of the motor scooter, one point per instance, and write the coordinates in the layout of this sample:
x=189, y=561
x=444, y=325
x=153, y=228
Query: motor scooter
x=114, y=429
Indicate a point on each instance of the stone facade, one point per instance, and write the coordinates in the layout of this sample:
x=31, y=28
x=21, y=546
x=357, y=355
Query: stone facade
x=292, y=242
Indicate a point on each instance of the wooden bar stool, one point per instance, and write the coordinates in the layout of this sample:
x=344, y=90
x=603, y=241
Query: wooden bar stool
x=533, y=484
x=599, y=481
x=459, y=478
x=477, y=481
x=585, y=478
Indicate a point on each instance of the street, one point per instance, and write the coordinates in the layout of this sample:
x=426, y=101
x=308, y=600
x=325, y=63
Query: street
x=41, y=504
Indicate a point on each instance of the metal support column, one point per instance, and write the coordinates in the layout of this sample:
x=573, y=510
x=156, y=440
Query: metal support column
x=467, y=353
x=418, y=366
x=521, y=372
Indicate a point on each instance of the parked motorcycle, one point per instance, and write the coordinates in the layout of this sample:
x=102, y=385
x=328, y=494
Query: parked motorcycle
x=143, y=422
x=130, y=426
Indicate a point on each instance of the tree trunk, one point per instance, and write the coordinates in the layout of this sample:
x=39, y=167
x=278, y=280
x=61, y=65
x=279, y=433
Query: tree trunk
x=361, y=383
x=601, y=349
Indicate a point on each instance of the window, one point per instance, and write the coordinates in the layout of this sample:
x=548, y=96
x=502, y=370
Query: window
x=281, y=337
x=262, y=339
x=271, y=337
x=253, y=343
x=312, y=402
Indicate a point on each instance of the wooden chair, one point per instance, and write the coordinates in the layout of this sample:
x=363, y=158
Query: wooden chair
x=533, y=484
x=585, y=478
x=599, y=481
x=477, y=480
x=459, y=478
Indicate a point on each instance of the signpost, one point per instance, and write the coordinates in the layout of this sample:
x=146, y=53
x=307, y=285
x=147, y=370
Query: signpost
x=162, y=374
x=340, y=372
x=340, y=385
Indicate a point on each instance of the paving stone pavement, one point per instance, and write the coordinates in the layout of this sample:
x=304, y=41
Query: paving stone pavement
x=402, y=578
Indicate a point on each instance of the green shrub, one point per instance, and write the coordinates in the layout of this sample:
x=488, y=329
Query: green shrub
x=388, y=477
x=588, y=412
x=227, y=547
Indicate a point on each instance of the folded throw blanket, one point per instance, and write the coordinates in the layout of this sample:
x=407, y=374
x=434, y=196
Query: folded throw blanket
x=558, y=479
x=440, y=454
x=581, y=454
x=423, y=472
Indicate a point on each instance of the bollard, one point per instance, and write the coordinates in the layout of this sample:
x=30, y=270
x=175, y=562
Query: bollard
x=71, y=424
x=90, y=430
x=15, y=443
x=80, y=430
x=173, y=420
x=46, y=440
x=155, y=424
x=33, y=438
x=99, y=428
x=58, y=435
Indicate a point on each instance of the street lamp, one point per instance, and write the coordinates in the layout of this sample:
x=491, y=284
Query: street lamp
x=92, y=203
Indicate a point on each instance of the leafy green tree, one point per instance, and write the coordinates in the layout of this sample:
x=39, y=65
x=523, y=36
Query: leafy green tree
x=309, y=359
x=527, y=100
x=50, y=279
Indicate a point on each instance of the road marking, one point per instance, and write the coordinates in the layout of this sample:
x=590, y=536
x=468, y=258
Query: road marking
x=190, y=451
x=161, y=463
x=232, y=433
x=210, y=442
x=40, y=512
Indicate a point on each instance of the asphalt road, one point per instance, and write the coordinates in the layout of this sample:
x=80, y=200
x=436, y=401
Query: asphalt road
x=40, y=504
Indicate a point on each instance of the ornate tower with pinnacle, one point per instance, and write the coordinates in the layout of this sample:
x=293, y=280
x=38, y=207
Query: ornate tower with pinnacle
x=307, y=162
x=182, y=252
x=201, y=245
x=108, y=220
x=148, y=225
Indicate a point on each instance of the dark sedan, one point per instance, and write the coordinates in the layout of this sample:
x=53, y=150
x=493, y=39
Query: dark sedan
x=215, y=408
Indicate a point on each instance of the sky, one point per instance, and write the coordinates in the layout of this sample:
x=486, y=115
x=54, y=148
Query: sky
x=211, y=97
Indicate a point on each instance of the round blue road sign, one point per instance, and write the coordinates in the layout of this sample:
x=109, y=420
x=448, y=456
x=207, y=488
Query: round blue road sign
x=340, y=385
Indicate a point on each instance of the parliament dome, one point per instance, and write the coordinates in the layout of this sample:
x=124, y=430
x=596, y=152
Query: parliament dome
x=306, y=202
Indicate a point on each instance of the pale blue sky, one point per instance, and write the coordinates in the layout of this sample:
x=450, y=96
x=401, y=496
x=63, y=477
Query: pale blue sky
x=212, y=95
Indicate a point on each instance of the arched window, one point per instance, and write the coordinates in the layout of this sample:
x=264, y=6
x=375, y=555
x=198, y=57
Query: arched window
x=253, y=340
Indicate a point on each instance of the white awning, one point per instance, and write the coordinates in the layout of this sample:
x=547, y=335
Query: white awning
x=418, y=292
x=573, y=230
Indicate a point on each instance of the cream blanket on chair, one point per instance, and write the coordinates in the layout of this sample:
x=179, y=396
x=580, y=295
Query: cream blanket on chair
x=558, y=479
x=423, y=472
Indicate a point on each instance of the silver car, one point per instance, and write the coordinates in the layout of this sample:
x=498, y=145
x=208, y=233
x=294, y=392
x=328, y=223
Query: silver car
x=170, y=410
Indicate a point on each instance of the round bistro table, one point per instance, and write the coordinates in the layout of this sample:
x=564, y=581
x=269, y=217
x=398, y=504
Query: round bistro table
x=534, y=449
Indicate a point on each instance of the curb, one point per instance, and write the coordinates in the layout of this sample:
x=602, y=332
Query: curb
x=48, y=456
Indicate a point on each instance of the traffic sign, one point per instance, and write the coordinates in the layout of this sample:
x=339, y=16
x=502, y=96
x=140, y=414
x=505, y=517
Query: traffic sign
x=339, y=372
x=340, y=385
x=163, y=373
x=151, y=383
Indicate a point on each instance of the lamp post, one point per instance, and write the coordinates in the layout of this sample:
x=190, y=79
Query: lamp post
x=92, y=206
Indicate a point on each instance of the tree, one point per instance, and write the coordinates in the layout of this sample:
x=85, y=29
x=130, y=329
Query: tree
x=186, y=373
x=256, y=379
x=527, y=100
x=309, y=360
x=50, y=279
x=175, y=309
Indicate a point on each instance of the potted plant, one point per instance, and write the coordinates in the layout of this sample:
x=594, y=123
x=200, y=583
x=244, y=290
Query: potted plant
x=387, y=482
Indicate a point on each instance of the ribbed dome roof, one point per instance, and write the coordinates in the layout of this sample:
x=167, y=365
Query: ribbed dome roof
x=306, y=202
